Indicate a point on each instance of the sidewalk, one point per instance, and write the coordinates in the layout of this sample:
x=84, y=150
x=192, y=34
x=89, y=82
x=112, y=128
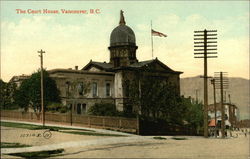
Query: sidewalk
x=97, y=142
x=76, y=127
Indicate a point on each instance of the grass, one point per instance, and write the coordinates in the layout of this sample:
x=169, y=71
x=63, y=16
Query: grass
x=179, y=138
x=160, y=138
x=39, y=154
x=89, y=133
x=12, y=145
x=55, y=128
x=38, y=127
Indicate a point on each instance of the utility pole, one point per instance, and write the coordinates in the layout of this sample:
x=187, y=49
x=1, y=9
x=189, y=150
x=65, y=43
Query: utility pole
x=42, y=104
x=221, y=82
x=215, y=107
x=204, y=53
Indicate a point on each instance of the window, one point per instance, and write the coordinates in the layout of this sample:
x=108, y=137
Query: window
x=84, y=108
x=67, y=88
x=79, y=110
x=94, y=89
x=80, y=88
x=108, y=89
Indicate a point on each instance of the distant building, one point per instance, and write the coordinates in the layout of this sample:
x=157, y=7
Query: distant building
x=18, y=79
x=244, y=123
x=231, y=114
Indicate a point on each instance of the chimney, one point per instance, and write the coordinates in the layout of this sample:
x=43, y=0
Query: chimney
x=76, y=67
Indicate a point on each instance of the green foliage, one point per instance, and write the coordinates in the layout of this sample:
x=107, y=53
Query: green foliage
x=29, y=93
x=159, y=99
x=159, y=138
x=103, y=109
x=156, y=98
x=7, y=91
x=90, y=133
x=38, y=127
x=12, y=145
x=179, y=138
x=39, y=154
x=194, y=115
x=57, y=107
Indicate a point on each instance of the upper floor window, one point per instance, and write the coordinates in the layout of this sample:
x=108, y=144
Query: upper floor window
x=108, y=90
x=94, y=89
x=80, y=88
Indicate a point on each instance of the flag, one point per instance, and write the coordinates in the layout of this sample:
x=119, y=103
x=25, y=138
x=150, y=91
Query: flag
x=156, y=33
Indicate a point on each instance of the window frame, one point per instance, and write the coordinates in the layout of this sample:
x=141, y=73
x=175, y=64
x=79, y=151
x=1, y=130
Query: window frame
x=94, y=90
x=108, y=91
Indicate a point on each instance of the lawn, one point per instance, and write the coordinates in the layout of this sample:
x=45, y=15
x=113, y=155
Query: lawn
x=179, y=138
x=89, y=133
x=55, y=128
x=38, y=127
x=39, y=154
x=12, y=145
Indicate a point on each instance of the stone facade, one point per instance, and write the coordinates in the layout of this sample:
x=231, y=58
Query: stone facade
x=82, y=89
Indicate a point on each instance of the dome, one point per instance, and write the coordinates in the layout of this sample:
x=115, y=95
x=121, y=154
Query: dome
x=122, y=34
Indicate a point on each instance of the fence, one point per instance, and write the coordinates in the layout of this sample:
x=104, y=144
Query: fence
x=161, y=127
x=132, y=125
x=115, y=123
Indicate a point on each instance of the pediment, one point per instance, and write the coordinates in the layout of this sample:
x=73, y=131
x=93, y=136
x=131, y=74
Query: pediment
x=94, y=69
x=156, y=65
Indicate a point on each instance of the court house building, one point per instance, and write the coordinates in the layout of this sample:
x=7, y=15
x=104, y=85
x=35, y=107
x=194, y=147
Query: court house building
x=104, y=82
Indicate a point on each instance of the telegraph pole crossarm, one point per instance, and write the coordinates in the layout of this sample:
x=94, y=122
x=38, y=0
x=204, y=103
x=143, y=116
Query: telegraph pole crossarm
x=204, y=51
x=42, y=93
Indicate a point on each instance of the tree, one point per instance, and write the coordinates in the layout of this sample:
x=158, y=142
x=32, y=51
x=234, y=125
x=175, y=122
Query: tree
x=156, y=98
x=194, y=114
x=29, y=93
x=3, y=93
x=7, y=91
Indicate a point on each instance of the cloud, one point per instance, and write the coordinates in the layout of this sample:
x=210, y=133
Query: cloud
x=68, y=44
x=177, y=49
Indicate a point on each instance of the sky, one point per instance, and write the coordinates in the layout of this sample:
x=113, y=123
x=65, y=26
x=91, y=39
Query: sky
x=75, y=39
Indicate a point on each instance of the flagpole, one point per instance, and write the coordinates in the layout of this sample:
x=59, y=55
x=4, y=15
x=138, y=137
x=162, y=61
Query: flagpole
x=152, y=46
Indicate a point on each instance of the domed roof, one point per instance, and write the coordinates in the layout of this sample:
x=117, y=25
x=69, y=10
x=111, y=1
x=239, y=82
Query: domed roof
x=122, y=34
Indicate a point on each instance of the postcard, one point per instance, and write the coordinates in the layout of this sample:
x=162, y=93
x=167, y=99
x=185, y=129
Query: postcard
x=125, y=79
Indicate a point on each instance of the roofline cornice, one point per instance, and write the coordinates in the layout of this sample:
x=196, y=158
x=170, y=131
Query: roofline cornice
x=54, y=71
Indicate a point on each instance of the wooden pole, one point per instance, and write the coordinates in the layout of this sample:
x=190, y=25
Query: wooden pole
x=222, y=107
x=205, y=86
x=42, y=93
x=205, y=56
x=215, y=107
